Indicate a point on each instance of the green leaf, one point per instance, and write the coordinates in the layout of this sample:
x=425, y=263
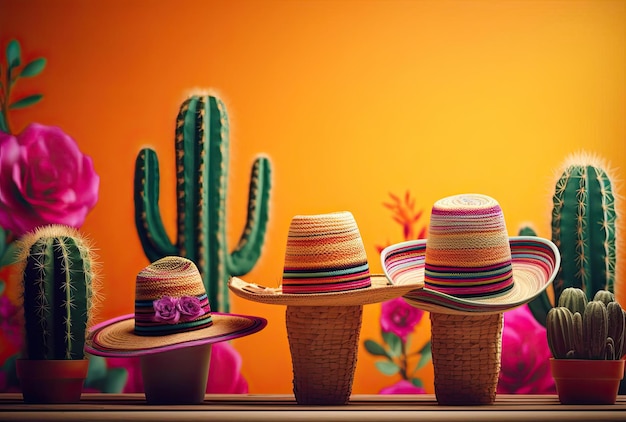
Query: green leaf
x=394, y=342
x=417, y=382
x=33, y=68
x=26, y=101
x=375, y=349
x=387, y=368
x=10, y=255
x=97, y=368
x=3, y=123
x=14, y=55
x=2, y=286
x=425, y=355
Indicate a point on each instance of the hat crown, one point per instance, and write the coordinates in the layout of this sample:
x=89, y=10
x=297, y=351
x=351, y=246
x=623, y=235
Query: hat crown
x=324, y=254
x=468, y=253
x=170, y=298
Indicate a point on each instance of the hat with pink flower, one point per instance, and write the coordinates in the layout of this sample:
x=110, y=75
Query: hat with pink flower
x=172, y=311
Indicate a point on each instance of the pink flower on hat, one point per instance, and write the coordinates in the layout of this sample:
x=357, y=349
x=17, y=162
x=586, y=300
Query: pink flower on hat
x=189, y=307
x=165, y=310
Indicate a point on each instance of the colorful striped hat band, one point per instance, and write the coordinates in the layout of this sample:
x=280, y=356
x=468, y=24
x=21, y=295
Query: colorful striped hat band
x=170, y=298
x=467, y=249
x=325, y=254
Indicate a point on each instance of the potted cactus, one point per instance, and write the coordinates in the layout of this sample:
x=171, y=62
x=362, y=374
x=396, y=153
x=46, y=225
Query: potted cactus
x=58, y=281
x=587, y=343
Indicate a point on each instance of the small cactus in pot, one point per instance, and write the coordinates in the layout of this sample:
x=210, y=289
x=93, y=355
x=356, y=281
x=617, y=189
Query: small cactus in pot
x=586, y=337
x=59, y=287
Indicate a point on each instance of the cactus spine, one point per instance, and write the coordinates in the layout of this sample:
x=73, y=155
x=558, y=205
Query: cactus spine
x=597, y=333
x=202, y=146
x=583, y=228
x=58, y=283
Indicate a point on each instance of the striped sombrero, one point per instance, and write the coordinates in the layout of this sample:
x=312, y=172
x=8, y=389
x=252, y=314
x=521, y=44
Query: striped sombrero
x=172, y=311
x=468, y=263
x=325, y=265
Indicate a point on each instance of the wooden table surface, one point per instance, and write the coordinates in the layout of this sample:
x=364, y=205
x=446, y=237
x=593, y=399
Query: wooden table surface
x=251, y=407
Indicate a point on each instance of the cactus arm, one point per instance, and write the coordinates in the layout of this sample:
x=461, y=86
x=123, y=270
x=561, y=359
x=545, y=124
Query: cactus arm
x=603, y=216
x=595, y=329
x=559, y=328
x=617, y=328
x=248, y=250
x=580, y=349
x=76, y=288
x=38, y=302
x=152, y=235
x=574, y=299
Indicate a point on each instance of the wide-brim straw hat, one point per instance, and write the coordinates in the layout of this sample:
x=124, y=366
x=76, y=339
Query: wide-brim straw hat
x=172, y=311
x=468, y=263
x=325, y=283
x=325, y=265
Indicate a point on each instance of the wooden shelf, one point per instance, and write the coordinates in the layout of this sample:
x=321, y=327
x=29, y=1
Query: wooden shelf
x=251, y=407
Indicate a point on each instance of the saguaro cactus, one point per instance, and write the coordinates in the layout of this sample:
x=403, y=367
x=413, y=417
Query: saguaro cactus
x=58, y=292
x=202, y=146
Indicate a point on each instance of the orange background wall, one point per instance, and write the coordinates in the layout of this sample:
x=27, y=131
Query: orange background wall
x=350, y=99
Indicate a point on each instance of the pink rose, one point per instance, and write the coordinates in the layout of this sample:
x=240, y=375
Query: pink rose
x=44, y=179
x=165, y=310
x=402, y=387
x=189, y=307
x=525, y=355
x=399, y=317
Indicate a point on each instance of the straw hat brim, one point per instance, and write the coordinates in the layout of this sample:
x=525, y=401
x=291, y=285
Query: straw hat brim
x=535, y=264
x=116, y=337
x=380, y=291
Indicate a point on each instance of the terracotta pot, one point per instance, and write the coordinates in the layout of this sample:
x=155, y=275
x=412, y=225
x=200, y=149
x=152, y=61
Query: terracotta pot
x=176, y=376
x=52, y=381
x=582, y=381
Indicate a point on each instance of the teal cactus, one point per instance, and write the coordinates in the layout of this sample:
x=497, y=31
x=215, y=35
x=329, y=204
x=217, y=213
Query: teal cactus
x=59, y=292
x=597, y=333
x=583, y=228
x=202, y=146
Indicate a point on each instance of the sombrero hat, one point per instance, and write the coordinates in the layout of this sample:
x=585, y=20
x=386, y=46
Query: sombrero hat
x=468, y=263
x=325, y=265
x=172, y=311
x=326, y=281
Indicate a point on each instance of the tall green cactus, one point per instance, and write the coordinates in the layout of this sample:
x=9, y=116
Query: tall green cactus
x=58, y=281
x=202, y=146
x=583, y=228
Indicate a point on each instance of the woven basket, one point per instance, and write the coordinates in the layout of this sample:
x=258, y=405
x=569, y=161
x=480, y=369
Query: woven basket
x=323, y=341
x=466, y=357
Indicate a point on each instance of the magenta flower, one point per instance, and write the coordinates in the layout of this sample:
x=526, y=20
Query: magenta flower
x=44, y=179
x=189, y=307
x=525, y=355
x=402, y=387
x=165, y=310
x=399, y=317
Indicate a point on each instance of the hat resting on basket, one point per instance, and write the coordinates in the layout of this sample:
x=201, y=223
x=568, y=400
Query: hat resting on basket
x=326, y=281
x=468, y=263
x=325, y=265
x=172, y=311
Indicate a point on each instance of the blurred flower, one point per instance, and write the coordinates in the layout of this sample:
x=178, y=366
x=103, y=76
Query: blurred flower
x=402, y=387
x=44, y=179
x=525, y=355
x=400, y=318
